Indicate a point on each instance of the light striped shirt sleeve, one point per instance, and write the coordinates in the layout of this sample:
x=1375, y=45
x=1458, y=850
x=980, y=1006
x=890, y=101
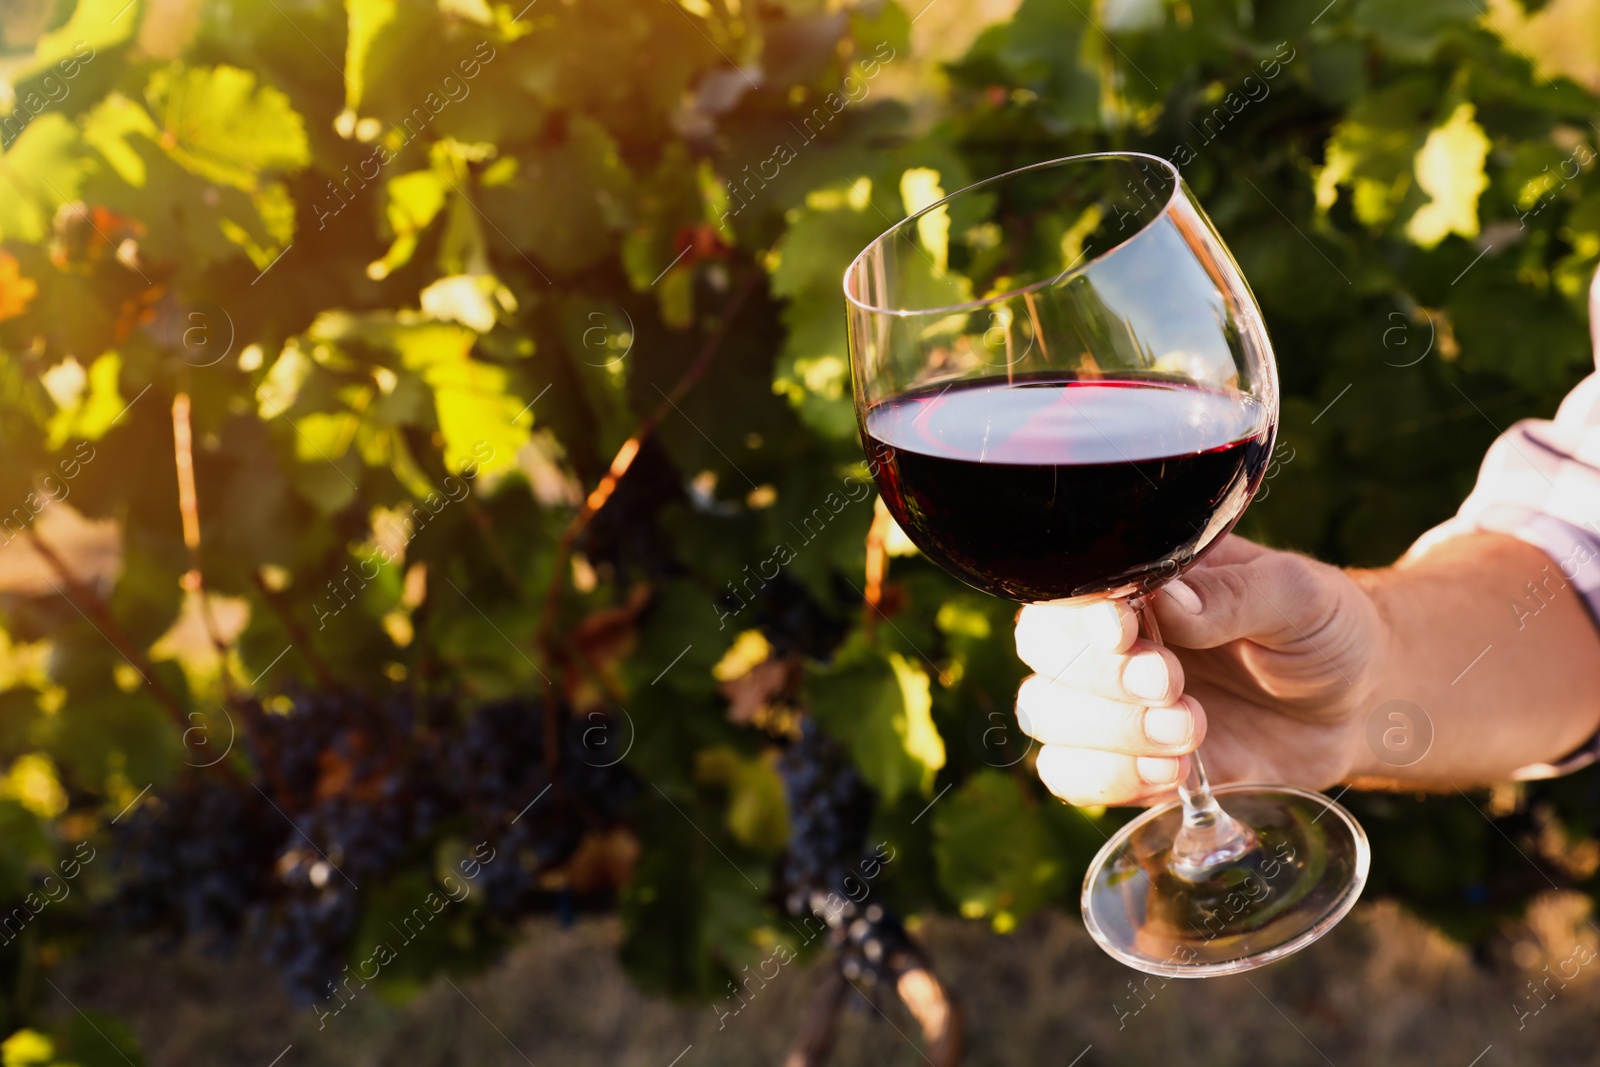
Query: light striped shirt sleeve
x=1540, y=482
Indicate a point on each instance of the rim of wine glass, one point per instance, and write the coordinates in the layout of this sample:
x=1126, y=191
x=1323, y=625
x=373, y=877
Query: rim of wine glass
x=1032, y=287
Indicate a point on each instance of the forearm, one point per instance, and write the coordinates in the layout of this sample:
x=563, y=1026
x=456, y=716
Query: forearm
x=1490, y=640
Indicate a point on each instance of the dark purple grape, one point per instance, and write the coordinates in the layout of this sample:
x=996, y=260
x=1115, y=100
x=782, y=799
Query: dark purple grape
x=830, y=809
x=348, y=790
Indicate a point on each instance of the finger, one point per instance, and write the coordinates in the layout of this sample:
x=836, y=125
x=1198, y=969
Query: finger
x=1087, y=776
x=1056, y=715
x=1106, y=624
x=1274, y=599
x=1146, y=674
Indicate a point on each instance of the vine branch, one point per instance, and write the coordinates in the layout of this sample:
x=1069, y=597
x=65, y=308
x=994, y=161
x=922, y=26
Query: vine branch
x=819, y=1027
x=911, y=976
x=94, y=609
x=629, y=452
x=297, y=632
x=544, y=635
x=189, y=509
x=876, y=569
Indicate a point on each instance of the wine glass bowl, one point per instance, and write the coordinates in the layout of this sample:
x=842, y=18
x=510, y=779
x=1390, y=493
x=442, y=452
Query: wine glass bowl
x=1089, y=302
x=1065, y=389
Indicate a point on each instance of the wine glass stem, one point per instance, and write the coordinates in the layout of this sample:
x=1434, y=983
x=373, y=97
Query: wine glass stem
x=1210, y=838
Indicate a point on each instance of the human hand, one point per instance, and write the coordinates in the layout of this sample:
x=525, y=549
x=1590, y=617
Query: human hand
x=1269, y=659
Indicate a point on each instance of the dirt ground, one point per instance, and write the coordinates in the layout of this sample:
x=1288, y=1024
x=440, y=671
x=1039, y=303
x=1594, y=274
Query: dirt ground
x=1381, y=989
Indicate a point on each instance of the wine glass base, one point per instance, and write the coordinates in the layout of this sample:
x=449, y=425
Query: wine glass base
x=1305, y=877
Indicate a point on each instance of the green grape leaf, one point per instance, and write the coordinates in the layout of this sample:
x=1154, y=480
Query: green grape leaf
x=1372, y=151
x=638, y=106
x=477, y=415
x=882, y=34
x=411, y=203
x=879, y=706
x=220, y=124
x=367, y=19
x=1521, y=334
x=757, y=814
x=818, y=529
x=50, y=147
x=1414, y=29
x=94, y=25
x=679, y=643
x=1581, y=230
x=20, y=720
x=25, y=846
x=1047, y=47
x=997, y=856
x=184, y=218
x=813, y=367
x=413, y=924
x=94, y=1039
x=28, y=1048
x=562, y=204
x=97, y=734
x=688, y=904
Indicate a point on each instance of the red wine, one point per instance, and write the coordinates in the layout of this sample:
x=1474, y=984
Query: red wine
x=1050, y=487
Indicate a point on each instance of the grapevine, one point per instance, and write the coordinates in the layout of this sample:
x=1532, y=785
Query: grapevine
x=342, y=792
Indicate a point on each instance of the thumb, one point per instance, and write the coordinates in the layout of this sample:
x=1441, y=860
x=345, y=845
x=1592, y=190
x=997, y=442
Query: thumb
x=1274, y=599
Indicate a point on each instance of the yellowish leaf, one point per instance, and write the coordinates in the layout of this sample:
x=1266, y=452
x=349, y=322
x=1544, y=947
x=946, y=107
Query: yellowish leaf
x=464, y=298
x=919, y=187
x=32, y=782
x=15, y=290
x=747, y=650
x=1450, y=170
x=921, y=737
x=758, y=812
x=90, y=411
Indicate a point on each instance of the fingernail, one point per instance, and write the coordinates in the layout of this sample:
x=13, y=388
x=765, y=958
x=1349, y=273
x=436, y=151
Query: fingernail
x=1146, y=676
x=1183, y=596
x=1168, y=726
x=1158, y=770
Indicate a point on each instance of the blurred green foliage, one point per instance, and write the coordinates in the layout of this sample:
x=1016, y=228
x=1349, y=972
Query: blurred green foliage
x=385, y=244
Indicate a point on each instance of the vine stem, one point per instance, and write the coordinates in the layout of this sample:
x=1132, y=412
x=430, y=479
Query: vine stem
x=819, y=1027
x=544, y=636
x=484, y=525
x=297, y=632
x=629, y=451
x=913, y=980
x=99, y=614
x=193, y=579
x=877, y=568
x=934, y=1007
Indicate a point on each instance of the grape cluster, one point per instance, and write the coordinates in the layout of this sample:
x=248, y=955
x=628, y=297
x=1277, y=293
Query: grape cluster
x=830, y=807
x=190, y=861
x=342, y=790
x=533, y=821
x=874, y=948
x=793, y=622
x=306, y=931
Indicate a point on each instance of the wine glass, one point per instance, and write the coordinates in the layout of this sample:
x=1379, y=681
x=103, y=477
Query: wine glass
x=1065, y=389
